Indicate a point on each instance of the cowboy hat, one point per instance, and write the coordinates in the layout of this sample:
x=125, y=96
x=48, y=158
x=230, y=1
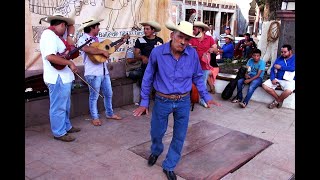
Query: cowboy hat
x=58, y=16
x=154, y=24
x=229, y=36
x=201, y=24
x=183, y=26
x=89, y=22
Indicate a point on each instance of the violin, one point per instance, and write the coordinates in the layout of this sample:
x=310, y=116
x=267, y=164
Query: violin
x=73, y=53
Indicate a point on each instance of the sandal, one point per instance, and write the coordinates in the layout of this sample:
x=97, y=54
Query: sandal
x=235, y=101
x=96, y=122
x=115, y=117
x=212, y=90
x=242, y=104
x=273, y=104
x=279, y=104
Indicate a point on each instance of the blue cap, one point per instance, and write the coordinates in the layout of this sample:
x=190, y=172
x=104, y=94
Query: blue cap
x=227, y=27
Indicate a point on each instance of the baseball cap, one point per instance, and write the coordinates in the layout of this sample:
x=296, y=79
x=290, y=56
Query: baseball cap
x=227, y=27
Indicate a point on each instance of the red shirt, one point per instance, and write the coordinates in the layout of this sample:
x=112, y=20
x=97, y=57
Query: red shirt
x=202, y=47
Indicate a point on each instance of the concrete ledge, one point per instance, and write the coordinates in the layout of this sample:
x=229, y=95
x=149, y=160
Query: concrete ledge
x=259, y=95
x=37, y=109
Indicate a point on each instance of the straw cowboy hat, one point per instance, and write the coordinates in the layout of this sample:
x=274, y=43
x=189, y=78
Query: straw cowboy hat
x=183, y=26
x=229, y=36
x=201, y=24
x=57, y=16
x=89, y=22
x=154, y=24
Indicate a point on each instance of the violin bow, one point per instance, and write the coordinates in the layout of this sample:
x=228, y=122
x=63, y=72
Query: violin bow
x=89, y=85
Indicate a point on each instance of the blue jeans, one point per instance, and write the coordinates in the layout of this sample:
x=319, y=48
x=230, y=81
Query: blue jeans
x=252, y=87
x=205, y=79
x=163, y=107
x=60, y=103
x=246, y=52
x=104, y=83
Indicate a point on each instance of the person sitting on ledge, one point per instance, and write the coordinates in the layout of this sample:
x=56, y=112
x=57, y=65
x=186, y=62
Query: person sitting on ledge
x=282, y=74
x=253, y=77
x=246, y=45
x=227, y=49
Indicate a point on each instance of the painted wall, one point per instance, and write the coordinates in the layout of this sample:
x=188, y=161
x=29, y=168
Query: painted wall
x=120, y=17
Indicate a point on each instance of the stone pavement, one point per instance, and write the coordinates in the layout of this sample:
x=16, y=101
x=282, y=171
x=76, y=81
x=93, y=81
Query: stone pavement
x=103, y=152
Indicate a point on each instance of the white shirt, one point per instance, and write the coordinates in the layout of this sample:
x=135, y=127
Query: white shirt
x=91, y=68
x=50, y=43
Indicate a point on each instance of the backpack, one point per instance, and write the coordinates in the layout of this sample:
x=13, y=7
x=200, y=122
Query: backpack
x=231, y=86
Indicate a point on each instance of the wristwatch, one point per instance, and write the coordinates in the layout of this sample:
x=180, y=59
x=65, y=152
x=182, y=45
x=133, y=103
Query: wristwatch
x=71, y=35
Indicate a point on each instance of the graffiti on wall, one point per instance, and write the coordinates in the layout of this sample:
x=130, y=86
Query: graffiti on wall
x=120, y=17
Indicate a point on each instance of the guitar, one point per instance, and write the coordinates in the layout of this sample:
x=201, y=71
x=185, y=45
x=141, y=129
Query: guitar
x=73, y=53
x=106, y=45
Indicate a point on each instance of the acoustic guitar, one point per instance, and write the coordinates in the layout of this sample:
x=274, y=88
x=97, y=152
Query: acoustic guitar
x=106, y=45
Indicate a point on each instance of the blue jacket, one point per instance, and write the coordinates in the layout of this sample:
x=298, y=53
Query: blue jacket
x=286, y=65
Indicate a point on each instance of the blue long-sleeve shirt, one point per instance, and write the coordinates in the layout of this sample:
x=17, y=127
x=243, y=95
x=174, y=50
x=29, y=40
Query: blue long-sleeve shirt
x=286, y=65
x=228, y=50
x=171, y=76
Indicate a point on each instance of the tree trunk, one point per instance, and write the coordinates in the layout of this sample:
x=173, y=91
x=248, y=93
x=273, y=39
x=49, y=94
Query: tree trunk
x=266, y=11
x=270, y=8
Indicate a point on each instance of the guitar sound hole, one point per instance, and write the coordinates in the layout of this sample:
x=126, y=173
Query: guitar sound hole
x=107, y=47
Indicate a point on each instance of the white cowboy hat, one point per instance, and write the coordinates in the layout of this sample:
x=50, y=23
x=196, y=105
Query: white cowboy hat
x=58, y=16
x=183, y=26
x=229, y=36
x=89, y=22
x=201, y=24
x=154, y=24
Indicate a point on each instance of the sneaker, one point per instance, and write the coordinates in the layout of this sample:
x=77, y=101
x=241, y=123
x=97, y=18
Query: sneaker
x=279, y=105
x=202, y=103
x=273, y=104
x=73, y=130
x=242, y=104
x=65, y=138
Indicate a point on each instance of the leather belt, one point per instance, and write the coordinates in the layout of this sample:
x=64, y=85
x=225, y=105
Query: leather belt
x=172, y=96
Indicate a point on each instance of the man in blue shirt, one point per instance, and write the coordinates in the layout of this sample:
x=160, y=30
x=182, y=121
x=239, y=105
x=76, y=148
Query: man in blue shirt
x=171, y=70
x=227, y=50
x=282, y=73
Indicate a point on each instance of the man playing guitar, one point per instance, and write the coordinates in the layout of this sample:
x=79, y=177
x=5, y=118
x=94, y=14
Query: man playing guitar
x=96, y=73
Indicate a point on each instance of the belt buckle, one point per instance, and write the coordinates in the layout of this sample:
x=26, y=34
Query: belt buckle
x=173, y=97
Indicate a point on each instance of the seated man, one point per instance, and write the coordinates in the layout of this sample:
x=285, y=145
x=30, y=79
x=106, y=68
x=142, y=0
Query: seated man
x=133, y=66
x=253, y=77
x=282, y=73
x=227, y=49
x=246, y=45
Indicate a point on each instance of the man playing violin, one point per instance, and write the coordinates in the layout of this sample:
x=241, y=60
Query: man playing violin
x=53, y=48
x=96, y=73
